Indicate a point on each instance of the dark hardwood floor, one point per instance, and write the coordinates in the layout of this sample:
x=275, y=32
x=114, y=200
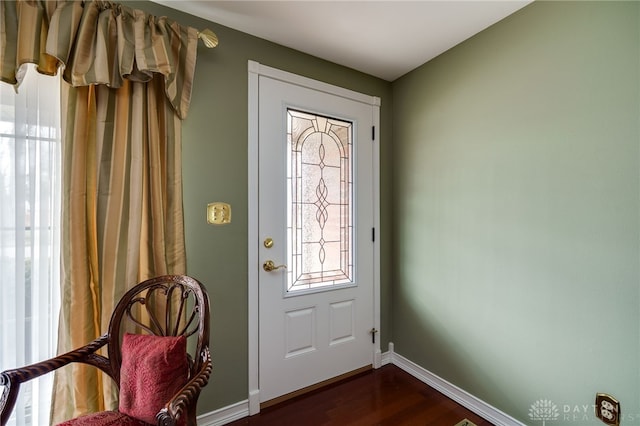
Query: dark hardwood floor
x=386, y=396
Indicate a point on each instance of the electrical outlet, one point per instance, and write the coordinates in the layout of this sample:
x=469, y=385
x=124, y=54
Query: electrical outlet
x=607, y=409
x=219, y=213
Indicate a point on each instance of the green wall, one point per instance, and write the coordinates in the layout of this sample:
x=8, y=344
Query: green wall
x=516, y=190
x=215, y=169
x=510, y=206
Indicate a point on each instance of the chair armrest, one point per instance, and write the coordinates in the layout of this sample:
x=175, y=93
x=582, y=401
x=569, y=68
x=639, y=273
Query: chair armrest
x=186, y=396
x=10, y=380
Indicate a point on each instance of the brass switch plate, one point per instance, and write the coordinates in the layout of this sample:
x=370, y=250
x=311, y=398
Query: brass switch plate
x=218, y=213
x=607, y=409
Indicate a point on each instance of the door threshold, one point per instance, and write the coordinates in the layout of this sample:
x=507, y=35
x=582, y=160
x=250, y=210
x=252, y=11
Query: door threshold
x=317, y=386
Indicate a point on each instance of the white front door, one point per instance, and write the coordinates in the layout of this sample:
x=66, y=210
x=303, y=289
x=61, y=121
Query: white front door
x=316, y=218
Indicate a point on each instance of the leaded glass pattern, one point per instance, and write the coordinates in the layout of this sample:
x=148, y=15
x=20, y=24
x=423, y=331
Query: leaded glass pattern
x=319, y=200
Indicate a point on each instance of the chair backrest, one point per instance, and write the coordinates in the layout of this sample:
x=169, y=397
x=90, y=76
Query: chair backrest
x=171, y=305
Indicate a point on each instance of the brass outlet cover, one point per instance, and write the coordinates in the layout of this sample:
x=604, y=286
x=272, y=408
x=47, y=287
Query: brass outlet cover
x=607, y=409
x=218, y=213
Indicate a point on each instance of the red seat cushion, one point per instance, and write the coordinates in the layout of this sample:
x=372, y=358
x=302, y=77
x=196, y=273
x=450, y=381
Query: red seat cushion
x=104, y=418
x=153, y=369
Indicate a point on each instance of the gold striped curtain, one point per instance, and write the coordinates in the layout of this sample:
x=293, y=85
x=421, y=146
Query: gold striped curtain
x=128, y=85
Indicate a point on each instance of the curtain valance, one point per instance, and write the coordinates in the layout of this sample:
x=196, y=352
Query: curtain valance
x=97, y=42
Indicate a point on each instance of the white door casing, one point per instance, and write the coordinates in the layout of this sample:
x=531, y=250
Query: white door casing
x=299, y=339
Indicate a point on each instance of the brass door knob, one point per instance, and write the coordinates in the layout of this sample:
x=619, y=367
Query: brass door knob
x=269, y=266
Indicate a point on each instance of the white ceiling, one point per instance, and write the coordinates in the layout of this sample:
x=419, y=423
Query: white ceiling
x=383, y=38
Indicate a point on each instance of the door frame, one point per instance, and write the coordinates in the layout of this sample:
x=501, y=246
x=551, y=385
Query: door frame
x=255, y=70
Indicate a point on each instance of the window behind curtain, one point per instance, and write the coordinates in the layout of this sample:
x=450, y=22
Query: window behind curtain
x=29, y=235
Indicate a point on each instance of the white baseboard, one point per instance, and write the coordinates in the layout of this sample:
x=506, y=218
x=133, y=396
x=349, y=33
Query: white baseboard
x=240, y=410
x=225, y=415
x=387, y=356
x=460, y=396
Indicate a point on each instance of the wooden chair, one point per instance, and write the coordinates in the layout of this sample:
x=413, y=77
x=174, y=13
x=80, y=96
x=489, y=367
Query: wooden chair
x=172, y=305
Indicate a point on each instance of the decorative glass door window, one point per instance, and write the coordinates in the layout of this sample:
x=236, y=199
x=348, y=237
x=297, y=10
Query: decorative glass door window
x=319, y=201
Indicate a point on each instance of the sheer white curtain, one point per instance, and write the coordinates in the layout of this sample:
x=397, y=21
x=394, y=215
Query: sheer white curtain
x=30, y=235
